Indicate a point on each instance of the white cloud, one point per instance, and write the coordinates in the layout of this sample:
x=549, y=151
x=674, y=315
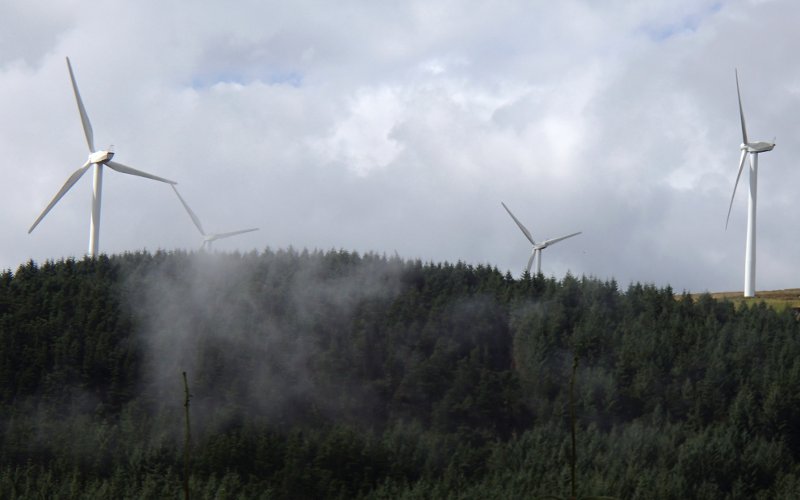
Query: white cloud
x=363, y=139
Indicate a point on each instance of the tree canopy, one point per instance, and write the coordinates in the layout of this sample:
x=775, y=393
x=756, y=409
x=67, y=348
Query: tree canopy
x=339, y=375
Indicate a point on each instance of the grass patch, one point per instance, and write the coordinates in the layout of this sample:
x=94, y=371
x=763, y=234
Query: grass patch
x=778, y=300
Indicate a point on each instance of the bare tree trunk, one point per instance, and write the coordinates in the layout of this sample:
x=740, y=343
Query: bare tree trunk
x=187, y=439
x=572, y=418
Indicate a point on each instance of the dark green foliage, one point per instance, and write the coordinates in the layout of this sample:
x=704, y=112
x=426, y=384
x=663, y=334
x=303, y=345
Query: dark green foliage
x=339, y=375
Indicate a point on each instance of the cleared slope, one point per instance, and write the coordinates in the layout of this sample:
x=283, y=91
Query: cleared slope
x=777, y=299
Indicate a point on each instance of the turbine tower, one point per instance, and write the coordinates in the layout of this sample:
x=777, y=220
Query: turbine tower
x=208, y=238
x=752, y=149
x=537, y=247
x=97, y=158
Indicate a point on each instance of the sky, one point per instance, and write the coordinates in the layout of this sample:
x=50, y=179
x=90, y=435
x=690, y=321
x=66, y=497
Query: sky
x=401, y=126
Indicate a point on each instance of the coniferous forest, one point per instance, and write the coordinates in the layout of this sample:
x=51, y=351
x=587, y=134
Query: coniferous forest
x=339, y=375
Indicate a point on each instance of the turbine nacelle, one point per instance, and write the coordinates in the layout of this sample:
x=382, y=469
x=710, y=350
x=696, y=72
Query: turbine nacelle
x=101, y=157
x=757, y=147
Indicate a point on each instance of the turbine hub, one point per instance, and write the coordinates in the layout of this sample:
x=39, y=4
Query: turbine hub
x=101, y=157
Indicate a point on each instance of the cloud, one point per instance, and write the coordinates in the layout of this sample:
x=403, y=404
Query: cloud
x=402, y=127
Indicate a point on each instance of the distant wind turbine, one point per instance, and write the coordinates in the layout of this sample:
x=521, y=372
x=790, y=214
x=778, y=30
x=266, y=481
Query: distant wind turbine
x=208, y=238
x=98, y=158
x=753, y=149
x=537, y=247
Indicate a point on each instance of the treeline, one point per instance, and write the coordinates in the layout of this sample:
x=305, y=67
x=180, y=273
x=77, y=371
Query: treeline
x=339, y=375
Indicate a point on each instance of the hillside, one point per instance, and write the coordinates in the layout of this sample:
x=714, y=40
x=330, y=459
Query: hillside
x=779, y=299
x=339, y=375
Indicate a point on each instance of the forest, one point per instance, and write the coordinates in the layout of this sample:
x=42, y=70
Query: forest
x=331, y=374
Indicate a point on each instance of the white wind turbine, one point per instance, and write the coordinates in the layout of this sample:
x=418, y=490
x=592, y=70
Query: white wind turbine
x=537, y=247
x=751, y=148
x=208, y=238
x=98, y=158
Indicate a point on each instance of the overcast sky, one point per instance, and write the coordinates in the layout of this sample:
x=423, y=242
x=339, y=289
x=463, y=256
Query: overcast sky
x=401, y=126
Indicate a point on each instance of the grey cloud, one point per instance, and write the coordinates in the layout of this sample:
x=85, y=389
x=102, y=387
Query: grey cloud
x=402, y=128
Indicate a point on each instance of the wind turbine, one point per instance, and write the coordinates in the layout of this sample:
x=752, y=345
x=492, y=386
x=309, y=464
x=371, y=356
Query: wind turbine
x=208, y=238
x=753, y=149
x=98, y=158
x=537, y=247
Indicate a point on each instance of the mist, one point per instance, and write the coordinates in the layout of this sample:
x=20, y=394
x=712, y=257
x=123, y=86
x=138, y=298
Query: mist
x=248, y=330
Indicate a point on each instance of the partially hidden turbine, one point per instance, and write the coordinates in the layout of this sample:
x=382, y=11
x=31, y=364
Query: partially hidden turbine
x=537, y=247
x=752, y=149
x=98, y=158
x=208, y=238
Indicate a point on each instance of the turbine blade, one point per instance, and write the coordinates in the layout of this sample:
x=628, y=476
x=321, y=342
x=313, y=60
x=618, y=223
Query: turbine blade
x=523, y=228
x=741, y=112
x=738, y=175
x=530, y=261
x=67, y=185
x=191, y=213
x=87, y=127
x=556, y=240
x=119, y=167
x=219, y=236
